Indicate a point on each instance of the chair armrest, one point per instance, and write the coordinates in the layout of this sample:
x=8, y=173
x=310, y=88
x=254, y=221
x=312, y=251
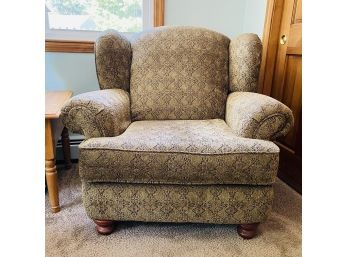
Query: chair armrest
x=257, y=116
x=103, y=113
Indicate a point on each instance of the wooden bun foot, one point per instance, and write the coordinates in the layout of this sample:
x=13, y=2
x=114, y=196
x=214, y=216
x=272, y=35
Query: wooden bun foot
x=105, y=227
x=247, y=231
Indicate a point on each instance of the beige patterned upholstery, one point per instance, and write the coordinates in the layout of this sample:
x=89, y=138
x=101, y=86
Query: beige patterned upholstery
x=245, y=59
x=173, y=140
x=222, y=204
x=98, y=113
x=179, y=152
x=109, y=47
x=254, y=115
x=179, y=73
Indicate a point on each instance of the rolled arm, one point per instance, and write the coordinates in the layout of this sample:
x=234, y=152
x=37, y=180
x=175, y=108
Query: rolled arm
x=257, y=116
x=102, y=113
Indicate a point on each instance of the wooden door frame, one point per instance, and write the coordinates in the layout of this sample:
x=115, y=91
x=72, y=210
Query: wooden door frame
x=270, y=42
x=80, y=46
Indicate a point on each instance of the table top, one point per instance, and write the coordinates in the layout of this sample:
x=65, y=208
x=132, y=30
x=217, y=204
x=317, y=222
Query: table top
x=54, y=101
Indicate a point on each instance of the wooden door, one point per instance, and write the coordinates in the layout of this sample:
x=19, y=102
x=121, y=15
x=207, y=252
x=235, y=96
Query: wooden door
x=281, y=78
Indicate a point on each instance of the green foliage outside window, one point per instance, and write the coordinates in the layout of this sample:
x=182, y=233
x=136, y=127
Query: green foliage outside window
x=122, y=15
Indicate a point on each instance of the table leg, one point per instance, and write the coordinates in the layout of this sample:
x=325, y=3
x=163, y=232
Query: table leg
x=52, y=184
x=50, y=168
x=66, y=148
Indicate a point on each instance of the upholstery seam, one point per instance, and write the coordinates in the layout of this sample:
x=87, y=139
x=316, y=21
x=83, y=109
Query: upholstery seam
x=269, y=117
x=85, y=107
x=163, y=152
x=247, y=184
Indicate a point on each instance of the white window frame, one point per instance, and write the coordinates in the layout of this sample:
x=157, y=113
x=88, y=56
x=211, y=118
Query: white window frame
x=87, y=35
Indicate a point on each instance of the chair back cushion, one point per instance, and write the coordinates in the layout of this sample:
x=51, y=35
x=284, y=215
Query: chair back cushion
x=179, y=73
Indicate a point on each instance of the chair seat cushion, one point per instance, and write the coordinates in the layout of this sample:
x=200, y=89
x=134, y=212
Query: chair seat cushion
x=179, y=152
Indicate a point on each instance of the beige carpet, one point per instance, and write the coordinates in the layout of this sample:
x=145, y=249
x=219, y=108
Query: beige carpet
x=71, y=233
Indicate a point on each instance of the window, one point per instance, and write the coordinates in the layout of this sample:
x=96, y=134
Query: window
x=75, y=24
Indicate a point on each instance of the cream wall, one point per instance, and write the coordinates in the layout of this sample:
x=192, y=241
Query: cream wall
x=230, y=17
x=70, y=71
x=254, y=16
x=225, y=16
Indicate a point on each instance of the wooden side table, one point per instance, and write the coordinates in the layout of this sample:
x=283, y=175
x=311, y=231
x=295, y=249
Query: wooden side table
x=53, y=129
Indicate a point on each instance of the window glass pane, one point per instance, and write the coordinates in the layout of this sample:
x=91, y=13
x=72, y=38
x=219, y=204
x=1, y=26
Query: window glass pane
x=95, y=15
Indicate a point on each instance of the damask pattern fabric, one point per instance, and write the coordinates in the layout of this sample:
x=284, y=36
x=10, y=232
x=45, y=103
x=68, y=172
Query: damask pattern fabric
x=177, y=203
x=113, y=57
x=179, y=73
x=179, y=152
x=253, y=115
x=244, y=63
x=102, y=113
x=164, y=152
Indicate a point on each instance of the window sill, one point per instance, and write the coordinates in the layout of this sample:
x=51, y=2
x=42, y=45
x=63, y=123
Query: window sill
x=69, y=46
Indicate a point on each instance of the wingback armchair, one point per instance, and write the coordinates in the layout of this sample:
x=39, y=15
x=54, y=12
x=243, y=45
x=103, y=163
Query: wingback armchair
x=176, y=133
